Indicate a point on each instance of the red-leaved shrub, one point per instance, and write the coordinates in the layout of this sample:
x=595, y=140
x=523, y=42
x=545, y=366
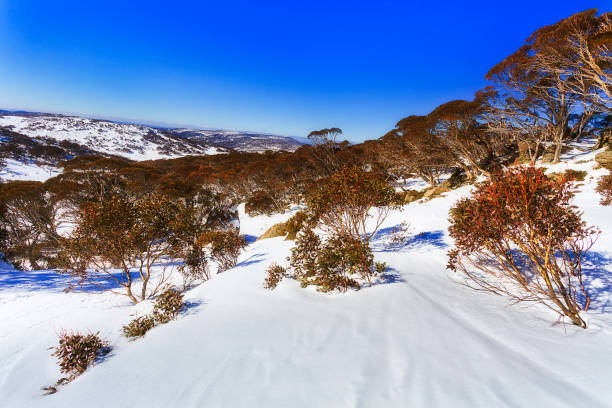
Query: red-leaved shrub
x=519, y=236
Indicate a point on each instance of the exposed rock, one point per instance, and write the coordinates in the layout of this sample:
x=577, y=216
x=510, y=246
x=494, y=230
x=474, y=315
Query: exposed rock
x=437, y=190
x=548, y=157
x=277, y=230
x=413, y=195
x=605, y=159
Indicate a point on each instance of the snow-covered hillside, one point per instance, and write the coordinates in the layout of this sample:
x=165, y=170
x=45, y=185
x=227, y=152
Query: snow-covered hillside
x=134, y=142
x=139, y=142
x=241, y=141
x=416, y=338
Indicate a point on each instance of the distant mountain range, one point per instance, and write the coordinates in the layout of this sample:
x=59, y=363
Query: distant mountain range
x=31, y=132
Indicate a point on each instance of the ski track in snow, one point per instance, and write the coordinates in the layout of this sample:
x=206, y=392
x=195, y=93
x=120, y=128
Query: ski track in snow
x=418, y=338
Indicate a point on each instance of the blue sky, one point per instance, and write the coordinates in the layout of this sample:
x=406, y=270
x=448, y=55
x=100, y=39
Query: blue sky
x=282, y=67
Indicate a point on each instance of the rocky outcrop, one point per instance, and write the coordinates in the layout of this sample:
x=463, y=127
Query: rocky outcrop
x=605, y=159
x=277, y=230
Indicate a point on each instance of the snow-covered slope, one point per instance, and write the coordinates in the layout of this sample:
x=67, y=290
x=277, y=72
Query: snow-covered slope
x=134, y=142
x=139, y=142
x=415, y=339
x=16, y=170
x=241, y=141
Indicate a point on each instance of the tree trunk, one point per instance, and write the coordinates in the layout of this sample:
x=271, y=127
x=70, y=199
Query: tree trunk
x=128, y=291
x=558, y=147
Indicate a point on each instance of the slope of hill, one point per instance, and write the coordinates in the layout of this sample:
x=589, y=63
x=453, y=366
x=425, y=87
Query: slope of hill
x=416, y=338
x=242, y=141
x=134, y=141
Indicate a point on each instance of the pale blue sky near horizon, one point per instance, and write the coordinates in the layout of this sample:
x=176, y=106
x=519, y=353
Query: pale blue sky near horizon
x=279, y=67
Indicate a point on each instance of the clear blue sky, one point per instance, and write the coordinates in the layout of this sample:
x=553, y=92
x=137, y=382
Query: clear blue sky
x=284, y=67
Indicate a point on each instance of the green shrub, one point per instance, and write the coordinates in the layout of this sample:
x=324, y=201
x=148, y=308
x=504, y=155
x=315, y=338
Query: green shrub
x=333, y=264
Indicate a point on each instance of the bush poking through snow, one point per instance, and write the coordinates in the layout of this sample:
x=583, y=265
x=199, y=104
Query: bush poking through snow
x=332, y=264
x=195, y=268
x=295, y=224
x=274, y=275
x=166, y=308
x=225, y=246
x=519, y=236
x=604, y=187
x=139, y=326
x=348, y=200
x=76, y=352
x=167, y=305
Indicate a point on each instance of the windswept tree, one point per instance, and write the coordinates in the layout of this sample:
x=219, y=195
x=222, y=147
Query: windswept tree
x=412, y=148
x=325, y=145
x=539, y=72
x=31, y=222
x=516, y=121
x=120, y=241
x=459, y=127
x=580, y=49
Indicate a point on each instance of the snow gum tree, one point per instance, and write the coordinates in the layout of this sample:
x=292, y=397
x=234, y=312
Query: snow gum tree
x=117, y=237
x=349, y=208
x=348, y=201
x=519, y=236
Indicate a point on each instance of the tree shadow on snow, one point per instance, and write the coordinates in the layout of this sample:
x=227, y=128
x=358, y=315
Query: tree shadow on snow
x=52, y=280
x=390, y=276
x=597, y=277
x=250, y=238
x=383, y=242
x=192, y=306
x=253, y=259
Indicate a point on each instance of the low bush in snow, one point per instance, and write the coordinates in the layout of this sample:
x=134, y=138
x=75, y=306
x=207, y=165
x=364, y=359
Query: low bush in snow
x=332, y=264
x=167, y=306
x=352, y=203
x=139, y=326
x=76, y=352
x=518, y=235
x=114, y=237
x=604, y=187
x=225, y=246
x=274, y=275
x=195, y=267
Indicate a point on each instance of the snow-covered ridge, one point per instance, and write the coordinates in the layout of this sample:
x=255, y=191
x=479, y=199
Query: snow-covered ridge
x=139, y=142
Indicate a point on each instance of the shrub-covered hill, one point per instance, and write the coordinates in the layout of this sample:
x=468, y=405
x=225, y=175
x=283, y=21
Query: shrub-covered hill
x=417, y=337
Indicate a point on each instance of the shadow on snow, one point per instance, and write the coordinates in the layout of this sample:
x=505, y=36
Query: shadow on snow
x=383, y=240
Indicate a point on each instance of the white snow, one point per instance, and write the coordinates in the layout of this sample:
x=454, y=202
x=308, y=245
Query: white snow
x=16, y=170
x=419, y=338
x=126, y=140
